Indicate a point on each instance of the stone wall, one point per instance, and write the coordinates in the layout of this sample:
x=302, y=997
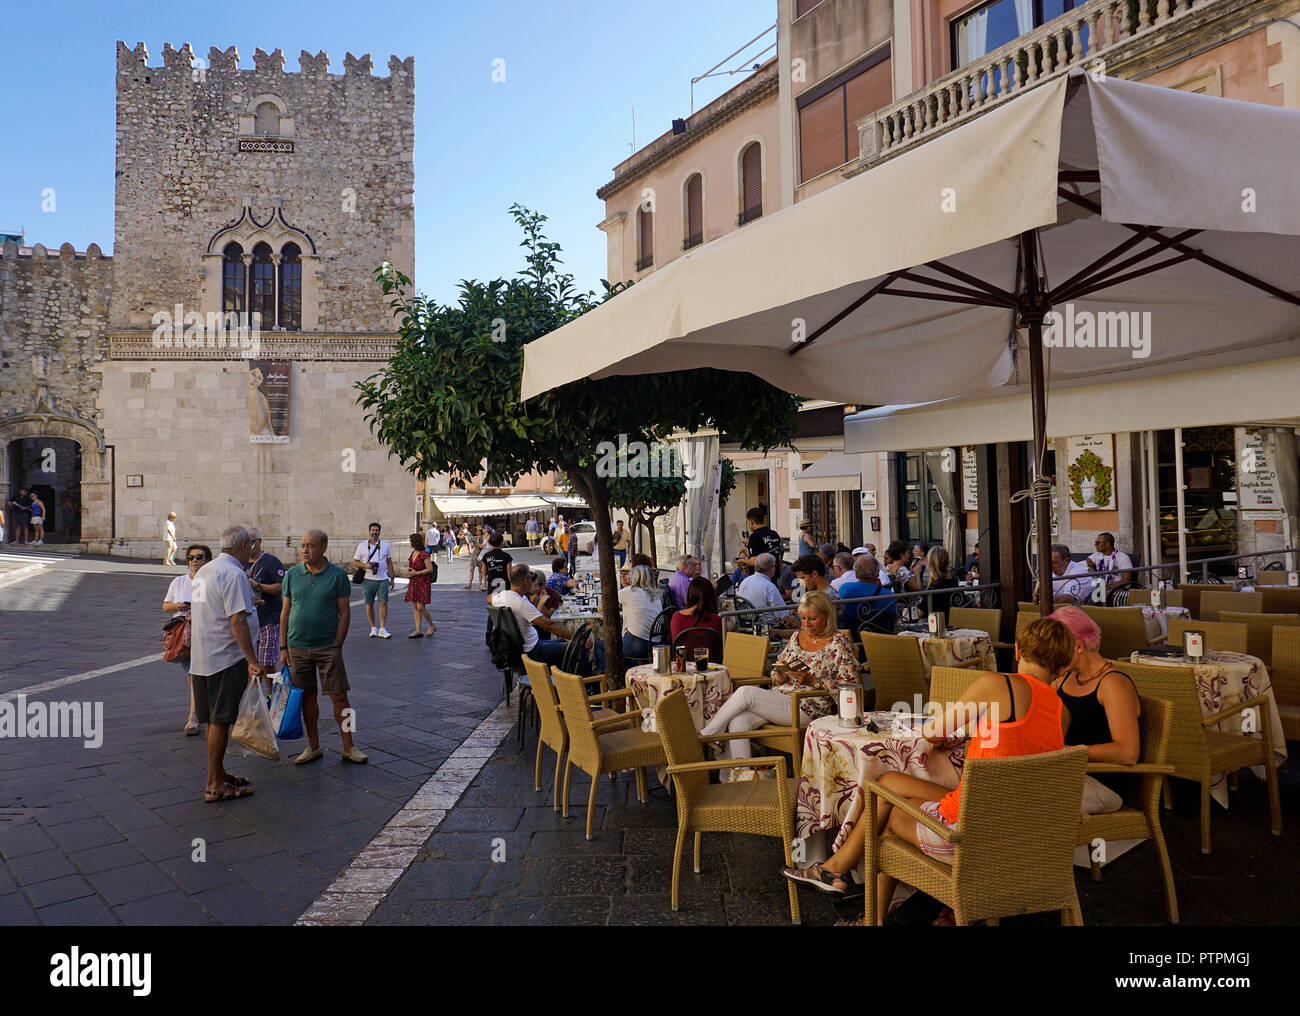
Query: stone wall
x=348, y=182
x=189, y=440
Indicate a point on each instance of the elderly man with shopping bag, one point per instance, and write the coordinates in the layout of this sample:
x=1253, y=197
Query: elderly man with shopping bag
x=223, y=624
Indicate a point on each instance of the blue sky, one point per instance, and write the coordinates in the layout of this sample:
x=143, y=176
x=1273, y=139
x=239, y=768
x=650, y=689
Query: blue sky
x=547, y=137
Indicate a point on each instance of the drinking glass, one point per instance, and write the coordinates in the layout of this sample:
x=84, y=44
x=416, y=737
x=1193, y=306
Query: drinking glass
x=701, y=658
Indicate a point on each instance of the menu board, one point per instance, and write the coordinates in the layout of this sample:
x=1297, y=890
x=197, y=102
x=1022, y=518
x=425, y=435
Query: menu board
x=970, y=496
x=1090, y=478
x=1257, y=469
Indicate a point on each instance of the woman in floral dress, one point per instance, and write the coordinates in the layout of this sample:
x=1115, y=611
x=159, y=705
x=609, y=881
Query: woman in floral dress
x=817, y=656
x=419, y=571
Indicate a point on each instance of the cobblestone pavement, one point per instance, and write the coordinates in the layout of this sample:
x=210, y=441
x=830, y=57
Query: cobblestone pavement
x=428, y=832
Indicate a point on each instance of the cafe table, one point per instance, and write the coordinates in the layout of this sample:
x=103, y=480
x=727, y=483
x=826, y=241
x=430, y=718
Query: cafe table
x=1157, y=620
x=704, y=692
x=1222, y=680
x=838, y=760
x=957, y=647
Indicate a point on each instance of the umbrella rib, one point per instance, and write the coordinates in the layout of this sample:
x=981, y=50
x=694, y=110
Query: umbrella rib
x=821, y=330
x=1201, y=256
x=976, y=295
x=1109, y=275
x=1105, y=259
x=971, y=280
x=1086, y=289
x=918, y=294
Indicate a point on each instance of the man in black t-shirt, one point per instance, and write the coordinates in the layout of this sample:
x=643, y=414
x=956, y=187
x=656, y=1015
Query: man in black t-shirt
x=495, y=563
x=762, y=540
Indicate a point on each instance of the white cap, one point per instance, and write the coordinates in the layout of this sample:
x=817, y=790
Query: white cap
x=860, y=550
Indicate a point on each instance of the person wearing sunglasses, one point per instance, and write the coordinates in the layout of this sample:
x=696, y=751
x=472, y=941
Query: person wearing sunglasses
x=177, y=603
x=1113, y=563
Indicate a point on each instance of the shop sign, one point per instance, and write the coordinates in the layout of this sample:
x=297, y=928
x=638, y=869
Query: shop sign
x=1090, y=473
x=1257, y=469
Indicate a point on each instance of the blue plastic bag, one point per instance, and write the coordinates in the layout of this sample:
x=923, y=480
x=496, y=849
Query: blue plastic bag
x=286, y=708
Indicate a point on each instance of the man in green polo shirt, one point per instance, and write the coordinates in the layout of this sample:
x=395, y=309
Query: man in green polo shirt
x=313, y=626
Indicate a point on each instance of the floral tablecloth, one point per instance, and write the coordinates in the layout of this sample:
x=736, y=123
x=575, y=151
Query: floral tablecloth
x=705, y=692
x=1222, y=680
x=1157, y=620
x=957, y=648
x=836, y=761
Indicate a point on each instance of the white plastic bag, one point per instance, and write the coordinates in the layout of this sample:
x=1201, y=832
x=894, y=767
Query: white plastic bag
x=253, y=727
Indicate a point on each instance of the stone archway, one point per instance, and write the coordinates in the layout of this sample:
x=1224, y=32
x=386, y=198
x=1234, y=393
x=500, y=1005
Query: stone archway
x=96, y=495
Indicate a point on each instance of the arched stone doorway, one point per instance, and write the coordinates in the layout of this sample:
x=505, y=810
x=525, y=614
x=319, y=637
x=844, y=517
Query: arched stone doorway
x=60, y=454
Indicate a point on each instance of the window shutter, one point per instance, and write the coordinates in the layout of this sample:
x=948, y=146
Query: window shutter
x=802, y=7
x=752, y=176
x=871, y=90
x=821, y=135
x=646, y=231
x=694, y=211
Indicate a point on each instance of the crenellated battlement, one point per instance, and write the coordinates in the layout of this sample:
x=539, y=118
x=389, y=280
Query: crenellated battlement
x=133, y=60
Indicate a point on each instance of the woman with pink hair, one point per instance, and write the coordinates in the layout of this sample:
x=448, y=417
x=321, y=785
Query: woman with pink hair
x=1103, y=707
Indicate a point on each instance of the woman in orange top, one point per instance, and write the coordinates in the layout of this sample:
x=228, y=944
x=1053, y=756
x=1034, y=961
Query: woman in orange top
x=1035, y=723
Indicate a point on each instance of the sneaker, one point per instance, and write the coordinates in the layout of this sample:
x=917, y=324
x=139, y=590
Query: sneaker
x=309, y=755
x=384, y=633
x=374, y=632
x=353, y=755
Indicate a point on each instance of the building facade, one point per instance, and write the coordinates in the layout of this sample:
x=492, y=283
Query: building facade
x=207, y=368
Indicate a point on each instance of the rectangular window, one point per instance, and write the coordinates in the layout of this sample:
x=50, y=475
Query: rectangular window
x=995, y=24
x=802, y=7
x=828, y=113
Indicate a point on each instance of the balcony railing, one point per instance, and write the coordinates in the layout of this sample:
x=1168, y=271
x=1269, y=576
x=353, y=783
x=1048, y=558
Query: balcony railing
x=749, y=215
x=694, y=240
x=1082, y=37
x=643, y=263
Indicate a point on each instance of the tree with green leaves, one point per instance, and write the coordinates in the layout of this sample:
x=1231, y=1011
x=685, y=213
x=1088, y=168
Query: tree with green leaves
x=646, y=497
x=448, y=399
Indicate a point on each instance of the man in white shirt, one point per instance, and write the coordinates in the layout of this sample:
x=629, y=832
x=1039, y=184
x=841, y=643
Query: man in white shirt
x=1076, y=586
x=223, y=624
x=375, y=558
x=1112, y=563
x=432, y=539
x=525, y=602
x=759, y=589
x=842, y=570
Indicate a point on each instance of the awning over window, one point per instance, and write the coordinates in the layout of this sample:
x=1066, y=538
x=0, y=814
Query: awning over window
x=502, y=504
x=833, y=471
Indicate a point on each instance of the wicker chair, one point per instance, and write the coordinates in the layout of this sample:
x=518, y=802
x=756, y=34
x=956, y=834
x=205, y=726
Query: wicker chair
x=1270, y=577
x=987, y=619
x=788, y=739
x=1196, y=751
x=1123, y=631
x=1285, y=675
x=1231, y=638
x=1214, y=602
x=1139, y=817
x=1280, y=600
x=1015, y=836
x=606, y=745
x=745, y=657
x=1259, y=631
x=758, y=808
x=896, y=669
x=948, y=684
x=1142, y=598
x=1024, y=617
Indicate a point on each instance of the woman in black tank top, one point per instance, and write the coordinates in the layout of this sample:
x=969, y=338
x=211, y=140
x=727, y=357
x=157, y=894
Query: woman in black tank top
x=1102, y=702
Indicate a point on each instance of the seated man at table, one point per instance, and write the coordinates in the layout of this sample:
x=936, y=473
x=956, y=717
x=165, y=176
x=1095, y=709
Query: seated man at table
x=760, y=590
x=688, y=567
x=1111, y=563
x=882, y=615
x=840, y=570
x=1074, y=586
x=523, y=599
x=561, y=582
x=1035, y=723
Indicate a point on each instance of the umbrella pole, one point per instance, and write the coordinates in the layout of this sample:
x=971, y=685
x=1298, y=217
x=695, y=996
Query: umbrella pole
x=1033, y=307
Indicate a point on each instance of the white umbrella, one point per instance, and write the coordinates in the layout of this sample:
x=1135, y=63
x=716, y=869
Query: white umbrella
x=1178, y=211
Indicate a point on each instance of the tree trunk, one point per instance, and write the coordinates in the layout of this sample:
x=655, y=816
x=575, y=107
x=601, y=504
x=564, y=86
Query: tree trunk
x=593, y=488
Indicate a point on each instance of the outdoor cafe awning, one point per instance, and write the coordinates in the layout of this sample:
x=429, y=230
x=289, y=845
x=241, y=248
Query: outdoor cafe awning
x=833, y=471
x=1200, y=192
x=505, y=504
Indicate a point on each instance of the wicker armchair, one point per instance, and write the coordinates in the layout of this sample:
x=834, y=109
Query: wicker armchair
x=606, y=745
x=1231, y=638
x=1139, y=817
x=1280, y=600
x=1259, y=631
x=551, y=730
x=758, y=808
x=745, y=657
x=896, y=669
x=987, y=619
x=1142, y=598
x=1212, y=603
x=1025, y=617
x=1015, y=836
x=788, y=739
x=1196, y=750
x=1123, y=631
x=948, y=684
x=1285, y=675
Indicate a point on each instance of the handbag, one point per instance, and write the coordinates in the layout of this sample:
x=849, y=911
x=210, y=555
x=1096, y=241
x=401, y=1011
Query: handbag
x=286, y=708
x=176, y=639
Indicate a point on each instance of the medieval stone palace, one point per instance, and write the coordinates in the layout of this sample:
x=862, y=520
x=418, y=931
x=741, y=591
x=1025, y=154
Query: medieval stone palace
x=207, y=366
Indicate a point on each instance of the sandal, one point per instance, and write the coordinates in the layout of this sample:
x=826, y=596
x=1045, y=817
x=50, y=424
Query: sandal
x=191, y=729
x=416, y=635
x=236, y=781
x=226, y=794
x=819, y=878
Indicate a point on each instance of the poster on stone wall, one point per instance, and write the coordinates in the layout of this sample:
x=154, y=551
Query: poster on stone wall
x=1257, y=485
x=268, y=401
x=1090, y=475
